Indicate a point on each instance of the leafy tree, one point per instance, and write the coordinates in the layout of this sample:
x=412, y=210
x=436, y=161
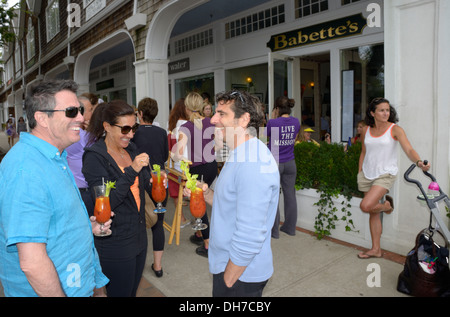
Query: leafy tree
x=7, y=34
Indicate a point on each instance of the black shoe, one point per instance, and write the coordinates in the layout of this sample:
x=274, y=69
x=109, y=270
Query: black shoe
x=288, y=233
x=157, y=273
x=201, y=250
x=196, y=239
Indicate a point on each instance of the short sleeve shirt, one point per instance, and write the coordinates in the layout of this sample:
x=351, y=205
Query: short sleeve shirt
x=282, y=132
x=40, y=203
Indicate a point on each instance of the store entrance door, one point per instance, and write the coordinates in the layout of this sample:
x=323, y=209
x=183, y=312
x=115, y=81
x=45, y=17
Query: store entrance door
x=315, y=94
x=306, y=79
x=284, y=80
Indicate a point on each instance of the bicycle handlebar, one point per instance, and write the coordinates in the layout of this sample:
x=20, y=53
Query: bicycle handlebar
x=410, y=180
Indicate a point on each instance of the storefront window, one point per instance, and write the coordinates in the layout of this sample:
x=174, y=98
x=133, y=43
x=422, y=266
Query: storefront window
x=362, y=80
x=344, y=2
x=254, y=80
x=200, y=84
x=304, y=8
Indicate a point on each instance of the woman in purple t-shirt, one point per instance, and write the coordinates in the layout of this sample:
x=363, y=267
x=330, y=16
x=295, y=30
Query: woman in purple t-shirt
x=197, y=135
x=282, y=132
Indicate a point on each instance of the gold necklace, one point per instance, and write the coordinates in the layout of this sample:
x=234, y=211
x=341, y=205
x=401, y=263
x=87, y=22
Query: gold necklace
x=121, y=155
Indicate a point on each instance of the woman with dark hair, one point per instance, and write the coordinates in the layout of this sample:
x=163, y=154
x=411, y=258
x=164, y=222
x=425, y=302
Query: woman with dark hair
x=177, y=117
x=152, y=140
x=114, y=158
x=282, y=132
x=378, y=166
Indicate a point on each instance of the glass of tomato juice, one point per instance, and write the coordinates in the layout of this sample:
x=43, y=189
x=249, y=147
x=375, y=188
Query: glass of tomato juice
x=102, y=209
x=197, y=205
x=158, y=192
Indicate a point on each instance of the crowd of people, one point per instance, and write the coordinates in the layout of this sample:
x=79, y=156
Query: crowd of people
x=48, y=241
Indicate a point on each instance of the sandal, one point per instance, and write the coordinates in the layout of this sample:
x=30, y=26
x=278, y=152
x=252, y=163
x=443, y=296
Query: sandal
x=391, y=202
x=364, y=256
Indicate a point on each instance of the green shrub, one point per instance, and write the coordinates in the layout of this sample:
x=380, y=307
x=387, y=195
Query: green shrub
x=332, y=171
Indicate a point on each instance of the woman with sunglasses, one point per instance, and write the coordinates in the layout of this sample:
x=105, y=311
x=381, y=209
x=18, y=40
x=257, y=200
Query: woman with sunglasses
x=114, y=158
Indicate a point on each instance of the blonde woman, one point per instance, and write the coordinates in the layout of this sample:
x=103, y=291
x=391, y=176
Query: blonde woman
x=305, y=135
x=197, y=135
x=359, y=130
x=207, y=107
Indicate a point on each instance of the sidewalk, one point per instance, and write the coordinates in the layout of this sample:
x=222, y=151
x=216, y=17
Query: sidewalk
x=304, y=267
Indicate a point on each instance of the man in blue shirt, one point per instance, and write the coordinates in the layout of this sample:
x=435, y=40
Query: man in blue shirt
x=46, y=243
x=245, y=201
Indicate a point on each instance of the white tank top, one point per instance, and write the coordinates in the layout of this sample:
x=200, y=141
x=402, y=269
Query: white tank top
x=381, y=154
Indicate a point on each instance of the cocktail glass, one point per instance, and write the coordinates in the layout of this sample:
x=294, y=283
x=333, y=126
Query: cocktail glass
x=197, y=206
x=158, y=192
x=102, y=209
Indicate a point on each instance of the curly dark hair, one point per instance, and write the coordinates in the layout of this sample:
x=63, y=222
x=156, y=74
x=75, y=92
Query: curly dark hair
x=244, y=103
x=370, y=120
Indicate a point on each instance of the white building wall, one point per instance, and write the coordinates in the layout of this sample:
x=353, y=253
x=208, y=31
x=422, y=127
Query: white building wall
x=416, y=35
x=417, y=39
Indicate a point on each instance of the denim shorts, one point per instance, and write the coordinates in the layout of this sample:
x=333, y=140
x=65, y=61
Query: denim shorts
x=385, y=181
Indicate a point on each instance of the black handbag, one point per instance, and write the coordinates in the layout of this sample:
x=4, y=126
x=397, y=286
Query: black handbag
x=426, y=272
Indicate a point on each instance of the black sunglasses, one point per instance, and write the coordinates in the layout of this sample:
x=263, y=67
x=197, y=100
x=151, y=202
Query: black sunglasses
x=126, y=128
x=70, y=112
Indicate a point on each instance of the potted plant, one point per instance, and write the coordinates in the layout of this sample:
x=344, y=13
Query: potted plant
x=332, y=171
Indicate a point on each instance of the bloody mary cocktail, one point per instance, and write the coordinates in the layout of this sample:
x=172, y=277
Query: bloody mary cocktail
x=158, y=192
x=197, y=205
x=102, y=209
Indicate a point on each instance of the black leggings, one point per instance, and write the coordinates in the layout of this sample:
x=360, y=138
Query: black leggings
x=209, y=173
x=124, y=276
x=158, y=234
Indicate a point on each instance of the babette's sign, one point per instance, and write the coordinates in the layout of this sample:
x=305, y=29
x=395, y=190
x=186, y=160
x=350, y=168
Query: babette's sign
x=330, y=30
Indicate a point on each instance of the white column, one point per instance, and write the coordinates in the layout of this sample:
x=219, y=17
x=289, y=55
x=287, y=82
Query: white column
x=18, y=104
x=417, y=46
x=152, y=81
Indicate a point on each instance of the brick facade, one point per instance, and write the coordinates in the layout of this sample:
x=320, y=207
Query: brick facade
x=51, y=54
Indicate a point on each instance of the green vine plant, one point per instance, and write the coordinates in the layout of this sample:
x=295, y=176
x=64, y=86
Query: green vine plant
x=328, y=213
x=332, y=171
